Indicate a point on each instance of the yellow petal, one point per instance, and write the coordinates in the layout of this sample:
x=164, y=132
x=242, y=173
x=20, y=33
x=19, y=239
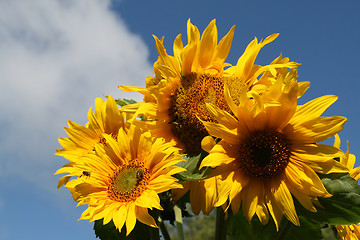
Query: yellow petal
x=319, y=157
x=131, y=218
x=207, y=44
x=220, y=131
x=262, y=212
x=240, y=181
x=119, y=217
x=304, y=199
x=337, y=141
x=221, y=153
x=312, y=109
x=63, y=180
x=148, y=199
x=196, y=194
x=316, y=130
x=222, y=50
x=222, y=117
x=284, y=201
x=141, y=90
x=274, y=210
x=250, y=197
x=165, y=58
x=224, y=186
x=304, y=179
x=211, y=194
x=144, y=217
x=177, y=47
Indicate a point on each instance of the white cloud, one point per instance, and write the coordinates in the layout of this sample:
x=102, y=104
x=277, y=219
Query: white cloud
x=56, y=57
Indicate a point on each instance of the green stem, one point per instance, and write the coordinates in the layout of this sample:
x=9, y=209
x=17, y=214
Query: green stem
x=221, y=225
x=163, y=229
x=285, y=230
x=179, y=222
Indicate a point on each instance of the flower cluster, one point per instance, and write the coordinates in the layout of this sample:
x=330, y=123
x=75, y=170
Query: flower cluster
x=260, y=149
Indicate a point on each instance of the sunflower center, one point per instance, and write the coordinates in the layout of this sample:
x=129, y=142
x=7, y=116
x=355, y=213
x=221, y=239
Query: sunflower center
x=128, y=183
x=188, y=104
x=264, y=154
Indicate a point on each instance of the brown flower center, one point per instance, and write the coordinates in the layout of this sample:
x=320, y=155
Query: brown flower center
x=265, y=154
x=188, y=104
x=128, y=183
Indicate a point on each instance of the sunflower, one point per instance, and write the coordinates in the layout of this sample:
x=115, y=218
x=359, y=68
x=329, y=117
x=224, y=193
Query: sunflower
x=352, y=231
x=349, y=232
x=348, y=160
x=176, y=97
x=121, y=180
x=268, y=152
x=82, y=139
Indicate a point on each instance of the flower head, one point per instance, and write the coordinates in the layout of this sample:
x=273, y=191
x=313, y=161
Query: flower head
x=82, y=139
x=175, y=99
x=121, y=180
x=268, y=152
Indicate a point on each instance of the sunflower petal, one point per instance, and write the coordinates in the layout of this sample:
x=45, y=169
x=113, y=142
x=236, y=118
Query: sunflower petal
x=143, y=216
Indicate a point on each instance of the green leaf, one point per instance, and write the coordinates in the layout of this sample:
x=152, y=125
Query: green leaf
x=192, y=172
x=106, y=232
x=240, y=228
x=140, y=232
x=308, y=229
x=342, y=208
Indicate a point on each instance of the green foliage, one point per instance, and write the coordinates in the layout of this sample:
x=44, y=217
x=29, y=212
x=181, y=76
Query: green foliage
x=140, y=232
x=106, y=232
x=240, y=228
x=193, y=173
x=343, y=207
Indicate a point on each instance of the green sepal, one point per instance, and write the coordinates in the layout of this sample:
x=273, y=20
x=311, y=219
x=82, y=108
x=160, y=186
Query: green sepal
x=193, y=173
x=123, y=101
x=342, y=208
x=240, y=228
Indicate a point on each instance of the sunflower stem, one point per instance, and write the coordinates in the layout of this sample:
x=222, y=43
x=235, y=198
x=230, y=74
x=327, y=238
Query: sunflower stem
x=221, y=225
x=179, y=222
x=163, y=230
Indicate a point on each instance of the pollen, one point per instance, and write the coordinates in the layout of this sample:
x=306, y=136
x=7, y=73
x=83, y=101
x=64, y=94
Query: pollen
x=265, y=154
x=188, y=104
x=128, y=182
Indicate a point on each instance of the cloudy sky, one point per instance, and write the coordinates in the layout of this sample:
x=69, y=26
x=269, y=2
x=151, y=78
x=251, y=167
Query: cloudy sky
x=57, y=56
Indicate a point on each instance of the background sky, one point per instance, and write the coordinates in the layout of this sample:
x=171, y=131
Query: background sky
x=56, y=57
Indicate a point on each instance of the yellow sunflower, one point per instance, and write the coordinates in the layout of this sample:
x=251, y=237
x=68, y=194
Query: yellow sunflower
x=82, y=139
x=122, y=179
x=195, y=75
x=348, y=232
x=269, y=152
x=348, y=160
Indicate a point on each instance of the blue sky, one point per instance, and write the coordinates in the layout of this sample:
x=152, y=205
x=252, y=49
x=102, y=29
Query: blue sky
x=56, y=57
